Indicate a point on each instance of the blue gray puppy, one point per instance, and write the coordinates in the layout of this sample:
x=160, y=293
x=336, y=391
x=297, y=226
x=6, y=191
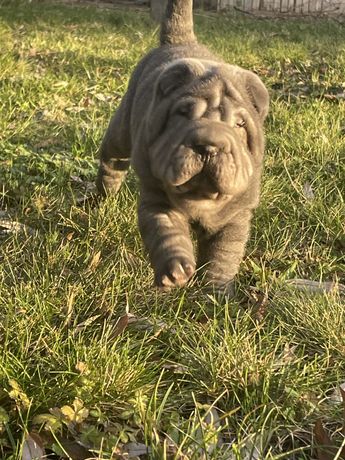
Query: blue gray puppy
x=192, y=127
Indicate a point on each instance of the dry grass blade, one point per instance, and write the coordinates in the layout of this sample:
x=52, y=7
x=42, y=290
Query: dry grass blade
x=70, y=303
x=65, y=326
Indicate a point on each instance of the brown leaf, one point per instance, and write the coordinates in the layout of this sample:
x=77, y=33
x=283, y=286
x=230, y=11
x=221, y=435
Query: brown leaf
x=33, y=447
x=325, y=448
x=121, y=325
x=259, y=299
x=69, y=236
x=73, y=450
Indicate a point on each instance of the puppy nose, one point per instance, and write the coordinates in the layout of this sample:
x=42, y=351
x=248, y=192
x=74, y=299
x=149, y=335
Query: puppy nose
x=209, y=151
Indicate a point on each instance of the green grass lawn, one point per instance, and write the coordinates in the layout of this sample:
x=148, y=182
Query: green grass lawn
x=90, y=354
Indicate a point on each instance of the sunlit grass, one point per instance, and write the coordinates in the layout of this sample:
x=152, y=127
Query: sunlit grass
x=265, y=363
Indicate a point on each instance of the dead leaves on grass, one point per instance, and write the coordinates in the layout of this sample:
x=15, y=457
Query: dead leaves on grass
x=10, y=227
x=326, y=448
x=75, y=432
x=302, y=80
x=137, y=323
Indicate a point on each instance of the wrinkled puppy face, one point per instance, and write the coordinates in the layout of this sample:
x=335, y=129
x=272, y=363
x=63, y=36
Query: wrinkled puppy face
x=205, y=128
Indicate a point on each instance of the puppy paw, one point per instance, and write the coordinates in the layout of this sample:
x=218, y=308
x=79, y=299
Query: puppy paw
x=225, y=289
x=175, y=273
x=220, y=285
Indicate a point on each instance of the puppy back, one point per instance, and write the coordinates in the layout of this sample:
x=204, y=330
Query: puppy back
x=177, y=25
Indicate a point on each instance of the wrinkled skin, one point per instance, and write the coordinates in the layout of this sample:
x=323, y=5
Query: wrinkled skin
x=193, y=128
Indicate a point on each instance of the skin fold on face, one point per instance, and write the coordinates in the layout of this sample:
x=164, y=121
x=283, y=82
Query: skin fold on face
x=204, y=140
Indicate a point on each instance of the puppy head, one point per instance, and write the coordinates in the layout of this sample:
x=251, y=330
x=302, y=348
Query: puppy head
x=204, y=127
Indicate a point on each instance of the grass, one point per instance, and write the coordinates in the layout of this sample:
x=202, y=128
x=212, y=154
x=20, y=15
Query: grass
x=186, y=374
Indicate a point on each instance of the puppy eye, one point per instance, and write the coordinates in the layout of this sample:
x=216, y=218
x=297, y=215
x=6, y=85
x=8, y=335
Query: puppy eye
x=184, y=109
x=240, y=124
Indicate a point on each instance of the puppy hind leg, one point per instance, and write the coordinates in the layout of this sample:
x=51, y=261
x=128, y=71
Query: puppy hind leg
x=114, y=159
x=111, y=174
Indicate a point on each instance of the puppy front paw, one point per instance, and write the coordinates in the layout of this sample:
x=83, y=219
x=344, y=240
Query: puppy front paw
x=174, y=273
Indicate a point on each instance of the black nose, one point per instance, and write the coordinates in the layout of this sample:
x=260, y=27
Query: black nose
x=209, y=151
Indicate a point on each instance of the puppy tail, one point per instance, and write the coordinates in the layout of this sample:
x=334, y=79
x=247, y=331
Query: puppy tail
x=177, y=26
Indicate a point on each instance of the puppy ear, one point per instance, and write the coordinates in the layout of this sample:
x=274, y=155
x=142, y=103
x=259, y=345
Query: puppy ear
x=257, y=93
x=178, y=74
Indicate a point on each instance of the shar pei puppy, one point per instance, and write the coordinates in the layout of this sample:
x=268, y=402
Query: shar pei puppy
x=192, y=128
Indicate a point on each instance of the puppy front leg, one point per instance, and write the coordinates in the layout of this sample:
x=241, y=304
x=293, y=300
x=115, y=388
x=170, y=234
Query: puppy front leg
x=165, y=233
x=221, y=253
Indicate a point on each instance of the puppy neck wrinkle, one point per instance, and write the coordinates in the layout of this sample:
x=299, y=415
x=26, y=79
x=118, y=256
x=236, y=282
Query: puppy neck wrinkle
x=177, y=25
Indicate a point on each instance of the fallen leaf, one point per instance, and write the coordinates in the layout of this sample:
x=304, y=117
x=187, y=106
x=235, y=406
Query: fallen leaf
x=147, y=324
x=102, y=97
x=77, y=179
x=337, y=395
x=81, y=413
x=68, y=413
x=135, y=449
x=10, y=227
x=81, y=367
x=121, y=325
x=308, y=191
x=316, y=286
x=175, y=368
x=79, y=327
x=325, y=449
x=69, y=236
x=70, y=449
x=259, y=299
x=335, y=97
x=33, y=447
x=94, y=261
